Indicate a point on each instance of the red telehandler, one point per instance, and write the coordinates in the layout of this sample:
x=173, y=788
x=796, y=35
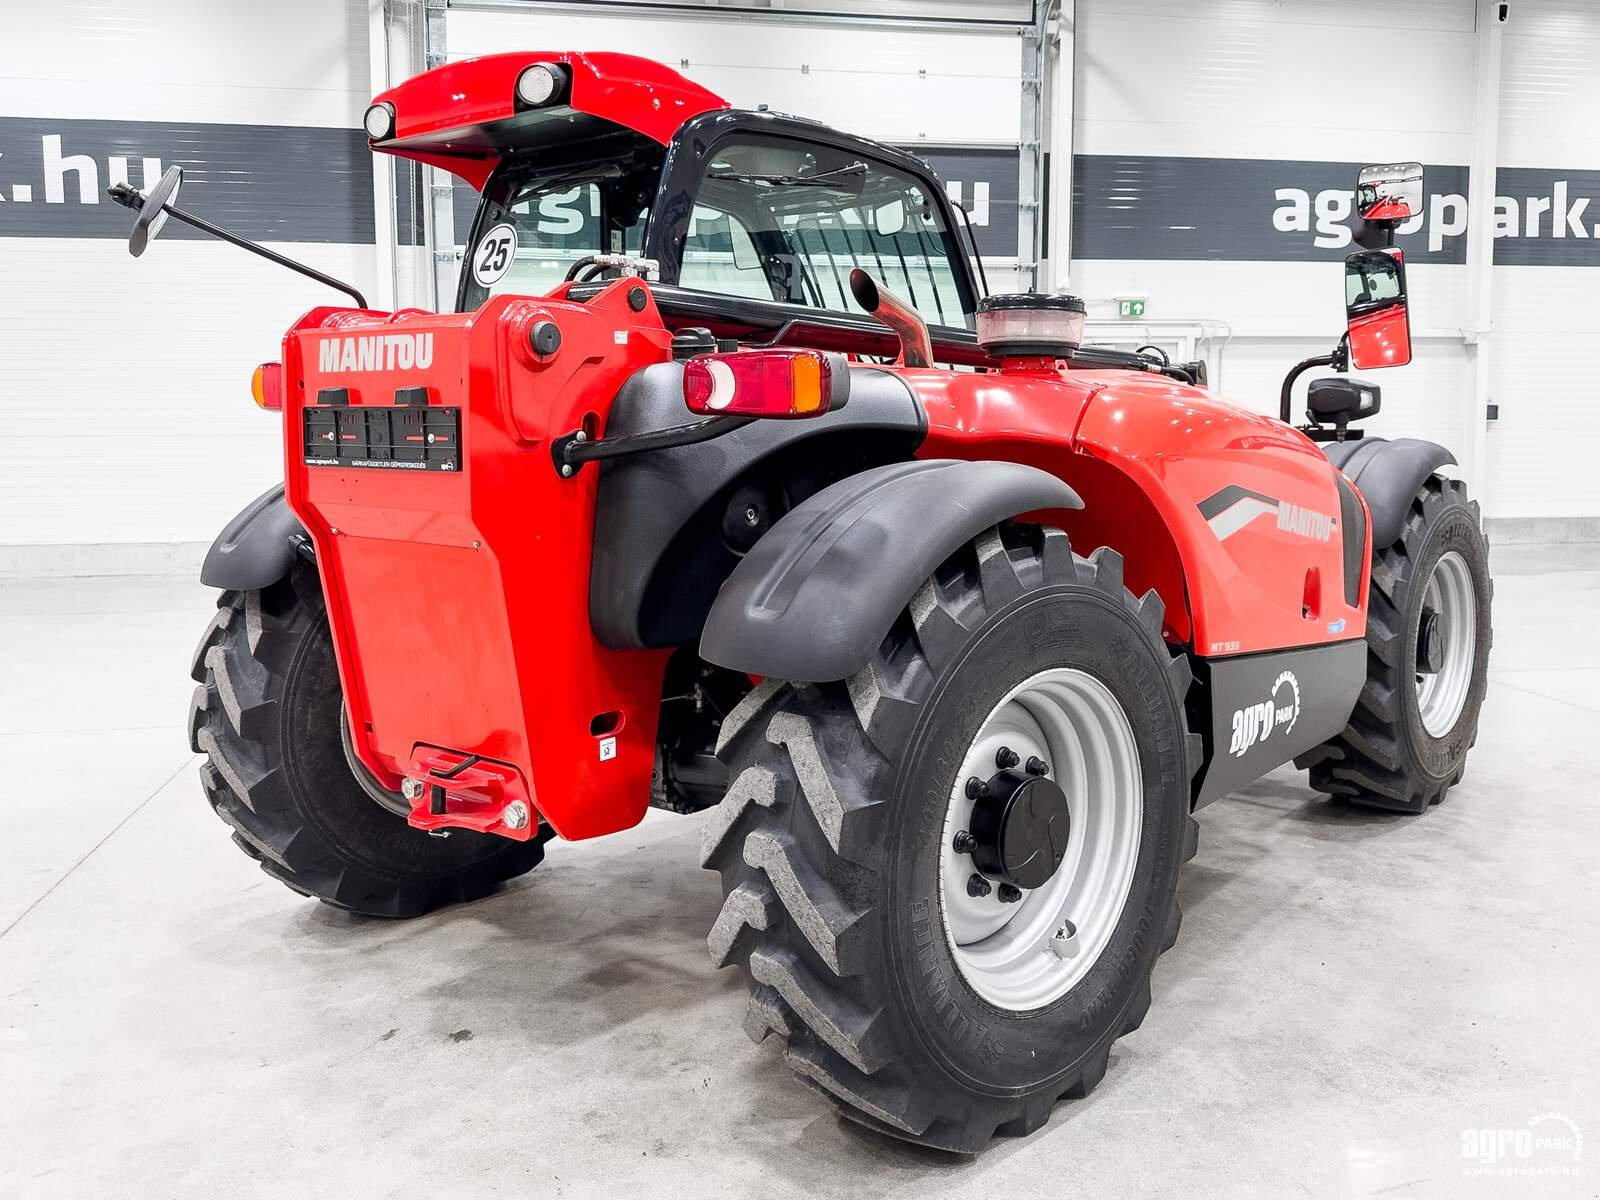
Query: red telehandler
x=727, y=488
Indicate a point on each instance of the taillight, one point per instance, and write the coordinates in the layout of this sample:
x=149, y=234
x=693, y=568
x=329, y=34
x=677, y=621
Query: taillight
x=266, y=386
x=760, y=383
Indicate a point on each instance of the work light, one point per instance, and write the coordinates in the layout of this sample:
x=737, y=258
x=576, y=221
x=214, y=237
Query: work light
x=379, y=121
x=540, y=84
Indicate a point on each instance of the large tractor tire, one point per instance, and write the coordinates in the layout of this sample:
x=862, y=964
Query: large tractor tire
x=268, y=714
x=927, y=999
x=1428, y=639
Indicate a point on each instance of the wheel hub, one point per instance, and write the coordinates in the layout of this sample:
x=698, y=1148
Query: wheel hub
x=1446, y=644
x=1430, y=643
x=1040, y=839
x=1020, y=827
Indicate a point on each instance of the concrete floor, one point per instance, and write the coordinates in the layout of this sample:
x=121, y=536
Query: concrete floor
x=1351, y=993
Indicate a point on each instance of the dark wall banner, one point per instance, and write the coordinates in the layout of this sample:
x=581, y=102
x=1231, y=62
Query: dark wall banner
x=1279, y=210
x=981, y=179
x=276, y=183
x=295, y=184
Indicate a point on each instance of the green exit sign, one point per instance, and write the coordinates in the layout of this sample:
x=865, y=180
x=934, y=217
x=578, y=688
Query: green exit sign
x=1130, y=306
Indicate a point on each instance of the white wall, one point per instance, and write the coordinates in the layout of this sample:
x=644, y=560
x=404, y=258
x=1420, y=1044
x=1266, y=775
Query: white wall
x=1284, y=80
x=124, y=384
x=906, y=86
x=1542, y=450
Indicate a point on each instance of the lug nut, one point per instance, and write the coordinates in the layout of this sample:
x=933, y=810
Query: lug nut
x=412, y=789
x=963, y=842
x=977, y=886
x=1010, y=893
x=1005, y=758
x=977, y=788
x=1037, y=766
x=515, y=815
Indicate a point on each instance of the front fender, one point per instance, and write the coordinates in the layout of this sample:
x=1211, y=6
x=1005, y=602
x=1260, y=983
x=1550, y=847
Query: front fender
x=1388, y=475
x=257, y=547
x=817, y=594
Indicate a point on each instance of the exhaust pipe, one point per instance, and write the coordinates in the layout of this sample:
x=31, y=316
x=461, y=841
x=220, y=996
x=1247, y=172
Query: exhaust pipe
x=916, y=348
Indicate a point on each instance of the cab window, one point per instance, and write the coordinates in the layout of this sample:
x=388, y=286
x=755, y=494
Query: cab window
x=538, y=219
x=776, y=219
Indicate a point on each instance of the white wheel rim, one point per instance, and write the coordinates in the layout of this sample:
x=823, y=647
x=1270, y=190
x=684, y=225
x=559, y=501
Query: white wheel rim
x=1012, y=954
x=1441, y=695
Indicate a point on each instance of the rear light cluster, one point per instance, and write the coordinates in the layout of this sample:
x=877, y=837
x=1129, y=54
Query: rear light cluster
x=764, y=383
x=266, y=386
x=538, y=86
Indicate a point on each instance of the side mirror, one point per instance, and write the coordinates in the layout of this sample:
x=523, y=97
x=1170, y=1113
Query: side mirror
x=1389, y=192
x=1375, y=309
x=153, y=212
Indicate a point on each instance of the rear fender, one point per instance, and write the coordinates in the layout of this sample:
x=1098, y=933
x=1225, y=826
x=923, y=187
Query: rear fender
x=257, y=547
x=817, y=594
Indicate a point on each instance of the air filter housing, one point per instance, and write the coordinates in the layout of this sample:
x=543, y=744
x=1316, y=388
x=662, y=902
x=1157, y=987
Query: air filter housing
x=1030, y=325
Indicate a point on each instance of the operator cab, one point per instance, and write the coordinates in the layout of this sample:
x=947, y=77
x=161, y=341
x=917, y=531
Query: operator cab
x=754, y=207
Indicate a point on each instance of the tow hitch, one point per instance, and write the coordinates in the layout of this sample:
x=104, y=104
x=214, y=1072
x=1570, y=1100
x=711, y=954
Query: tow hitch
x=452, y=790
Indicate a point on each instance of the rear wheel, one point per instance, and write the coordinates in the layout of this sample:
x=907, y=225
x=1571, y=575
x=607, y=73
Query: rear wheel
x=1428, y=639
x=947, y=880
x=268, y=714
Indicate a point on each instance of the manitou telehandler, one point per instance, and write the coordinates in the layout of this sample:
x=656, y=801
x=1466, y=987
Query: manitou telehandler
x=948, y=622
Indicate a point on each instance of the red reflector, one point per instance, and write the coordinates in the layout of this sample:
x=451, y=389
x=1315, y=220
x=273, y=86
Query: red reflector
x=759, y=383
x=266, y=386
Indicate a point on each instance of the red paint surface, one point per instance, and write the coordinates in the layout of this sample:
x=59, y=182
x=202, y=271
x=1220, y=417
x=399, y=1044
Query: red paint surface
x=439, y=114
x=459, y=602
x=1143, y=452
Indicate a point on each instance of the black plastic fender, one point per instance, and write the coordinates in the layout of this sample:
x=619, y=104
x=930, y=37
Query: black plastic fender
x=817, y=594
x=257, y=547
x=1389, y=475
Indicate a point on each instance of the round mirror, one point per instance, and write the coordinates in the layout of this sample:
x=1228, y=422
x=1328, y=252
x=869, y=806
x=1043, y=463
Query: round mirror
x=153, y=213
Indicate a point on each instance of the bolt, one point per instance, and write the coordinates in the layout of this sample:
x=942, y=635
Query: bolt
x=1010, y=893
x=412, y=789
x=566, y=471
x=977, y=886
x=515, y=815
x=751, y=516
x=1036, y=766
x=963, y=842
x=580, y=436
x=976, y=788
x=1005, y=758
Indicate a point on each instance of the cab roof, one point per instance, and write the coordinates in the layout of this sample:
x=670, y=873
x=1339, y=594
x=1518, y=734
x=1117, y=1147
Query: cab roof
x=462, y=117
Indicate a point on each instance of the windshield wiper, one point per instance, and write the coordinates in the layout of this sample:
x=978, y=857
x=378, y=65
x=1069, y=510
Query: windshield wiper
x=851, y=173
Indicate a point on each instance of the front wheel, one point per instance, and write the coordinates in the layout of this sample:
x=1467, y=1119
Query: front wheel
x=948, y=879
x=268, y=714
x=1428, y=639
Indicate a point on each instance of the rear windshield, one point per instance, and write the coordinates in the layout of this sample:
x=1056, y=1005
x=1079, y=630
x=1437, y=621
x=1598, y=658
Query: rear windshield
x=536, y=221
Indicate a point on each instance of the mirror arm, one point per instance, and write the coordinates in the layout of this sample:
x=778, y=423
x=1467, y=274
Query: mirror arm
x=217, y=231
x=1299, y=369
